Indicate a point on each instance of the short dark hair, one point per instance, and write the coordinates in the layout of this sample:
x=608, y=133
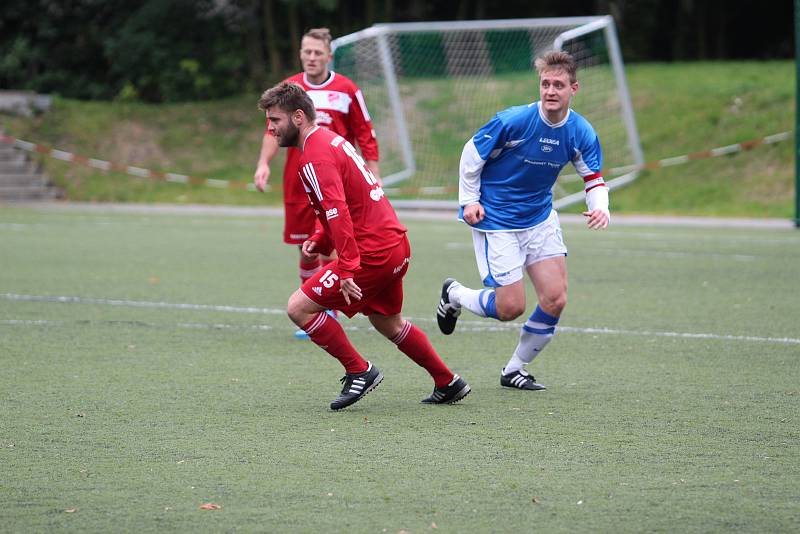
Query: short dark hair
x=289, y=97
x=322, y=34
x=558, y=59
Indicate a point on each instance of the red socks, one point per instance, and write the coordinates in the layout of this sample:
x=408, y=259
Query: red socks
x=415, y=344
x=329, y=335
x=308, y=269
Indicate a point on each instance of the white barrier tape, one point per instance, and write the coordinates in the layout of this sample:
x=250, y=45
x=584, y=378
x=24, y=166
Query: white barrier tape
x=128, y=169
x=433, y=190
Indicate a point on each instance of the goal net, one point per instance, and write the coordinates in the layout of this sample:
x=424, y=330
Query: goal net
x=430, y=86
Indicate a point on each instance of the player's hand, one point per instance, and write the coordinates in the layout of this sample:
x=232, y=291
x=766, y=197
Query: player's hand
x=307, y=250
x=349, y=289
x=597, y=219
x=473, y=213
x=261, y=177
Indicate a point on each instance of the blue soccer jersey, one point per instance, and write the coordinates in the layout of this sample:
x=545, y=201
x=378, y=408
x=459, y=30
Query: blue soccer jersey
x=512, y=162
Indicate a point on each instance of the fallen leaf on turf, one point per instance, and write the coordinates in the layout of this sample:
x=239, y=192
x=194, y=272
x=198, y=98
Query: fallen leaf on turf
x=210, y=506
x=71, y=510
x=535, y=500
x=434, y=525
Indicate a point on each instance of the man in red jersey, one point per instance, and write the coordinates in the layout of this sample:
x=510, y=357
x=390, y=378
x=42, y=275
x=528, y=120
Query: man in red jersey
x=355, y=219
x=340, y=107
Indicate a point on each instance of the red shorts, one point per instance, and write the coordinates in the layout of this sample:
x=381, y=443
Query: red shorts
x=381, y=285
x=299, y=221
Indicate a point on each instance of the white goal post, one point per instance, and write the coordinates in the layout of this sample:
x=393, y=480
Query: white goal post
x=429, y=86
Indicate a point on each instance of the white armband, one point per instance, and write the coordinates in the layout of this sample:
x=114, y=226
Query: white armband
x=597, y=198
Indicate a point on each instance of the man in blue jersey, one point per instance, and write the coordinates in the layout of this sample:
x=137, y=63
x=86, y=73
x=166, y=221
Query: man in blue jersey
x=506, y=176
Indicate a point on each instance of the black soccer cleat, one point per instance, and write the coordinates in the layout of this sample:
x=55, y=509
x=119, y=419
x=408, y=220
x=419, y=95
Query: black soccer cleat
x=520, y=380
x=356, y=386
x=447, y=313
x=456, y=390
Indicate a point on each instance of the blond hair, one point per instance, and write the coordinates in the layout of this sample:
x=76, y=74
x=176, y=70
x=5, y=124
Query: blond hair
x=558, y=60
x=321, y=34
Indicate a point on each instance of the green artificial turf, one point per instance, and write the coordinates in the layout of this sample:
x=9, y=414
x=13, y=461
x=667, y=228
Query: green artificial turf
x=148, y=369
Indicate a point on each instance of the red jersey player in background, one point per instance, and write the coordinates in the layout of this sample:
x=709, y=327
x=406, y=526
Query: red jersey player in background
x=340, y=107
x=356, y=219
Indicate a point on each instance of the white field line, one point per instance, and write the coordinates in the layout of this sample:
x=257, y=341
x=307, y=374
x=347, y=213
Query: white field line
x=469, y=326
x=139, y=304
x=644, y=253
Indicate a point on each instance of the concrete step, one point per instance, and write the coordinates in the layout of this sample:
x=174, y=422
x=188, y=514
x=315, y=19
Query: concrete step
x=38, y=180
x=12, y=155
x=21, y=193
x=18, y=166
x=20, y=178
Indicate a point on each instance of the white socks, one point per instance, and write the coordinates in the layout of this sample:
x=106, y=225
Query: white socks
x=534, y=335
x=481, y=302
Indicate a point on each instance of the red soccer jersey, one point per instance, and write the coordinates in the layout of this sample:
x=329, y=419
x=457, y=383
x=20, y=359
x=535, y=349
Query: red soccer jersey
x=340, y=107
x=355, y=217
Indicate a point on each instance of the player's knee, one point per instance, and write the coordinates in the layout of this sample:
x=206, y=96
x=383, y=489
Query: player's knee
x=508, y=311
x=294, y=308
x=554, y=304
x=389, y=327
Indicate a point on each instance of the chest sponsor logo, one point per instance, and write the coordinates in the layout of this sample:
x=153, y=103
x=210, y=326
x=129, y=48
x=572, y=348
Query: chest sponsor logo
x=331, y=213
x=538, y=163
x=330, y=100
x=549, y=141
x=547, y=148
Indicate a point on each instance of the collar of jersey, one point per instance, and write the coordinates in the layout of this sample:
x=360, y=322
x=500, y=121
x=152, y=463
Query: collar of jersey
x=309, y=135
x=320, y=86
x=550, y=124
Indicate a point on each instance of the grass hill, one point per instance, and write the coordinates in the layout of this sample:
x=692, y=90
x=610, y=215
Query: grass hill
x=680, y=108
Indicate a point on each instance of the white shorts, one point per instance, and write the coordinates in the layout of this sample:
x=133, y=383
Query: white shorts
x=501, y=256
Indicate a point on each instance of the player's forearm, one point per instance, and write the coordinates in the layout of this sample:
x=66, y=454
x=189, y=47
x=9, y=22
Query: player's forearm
x=269, y=147
x=469, y=175
x=597, y=198
x=341, y=233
